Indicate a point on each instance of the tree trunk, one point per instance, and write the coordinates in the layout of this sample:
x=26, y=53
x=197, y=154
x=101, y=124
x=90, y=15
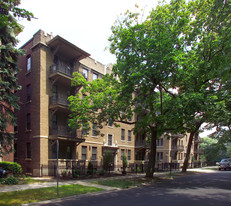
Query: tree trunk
x=185, y=165
x=152, y=158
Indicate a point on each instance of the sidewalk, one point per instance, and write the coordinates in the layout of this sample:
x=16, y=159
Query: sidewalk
x=53, y=183
x=86, y=182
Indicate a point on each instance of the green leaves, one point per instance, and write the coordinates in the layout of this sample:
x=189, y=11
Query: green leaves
x=9, y=28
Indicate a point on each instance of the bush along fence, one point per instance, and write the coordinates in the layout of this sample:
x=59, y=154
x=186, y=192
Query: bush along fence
x=76, y=169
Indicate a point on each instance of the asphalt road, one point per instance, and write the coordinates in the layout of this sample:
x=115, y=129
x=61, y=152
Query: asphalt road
x=199, y=190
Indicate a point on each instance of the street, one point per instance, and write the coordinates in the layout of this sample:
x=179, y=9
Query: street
x=213, y=188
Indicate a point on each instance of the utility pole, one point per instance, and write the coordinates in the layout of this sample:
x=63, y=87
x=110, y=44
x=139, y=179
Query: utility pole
x=57, y=146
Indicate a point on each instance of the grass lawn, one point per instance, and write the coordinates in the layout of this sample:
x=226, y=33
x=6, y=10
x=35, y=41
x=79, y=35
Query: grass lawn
x=123, y=183
x=36, y=195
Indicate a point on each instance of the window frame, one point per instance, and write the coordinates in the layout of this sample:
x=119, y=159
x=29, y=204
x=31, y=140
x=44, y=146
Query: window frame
x=84, y=154
x=85, y=73
x=28, y=63
x=95, y=76
x=94, y=130
x=123, y=134
x=129, y=155
x=129, y=135
x=94, y=153
x=109, y=140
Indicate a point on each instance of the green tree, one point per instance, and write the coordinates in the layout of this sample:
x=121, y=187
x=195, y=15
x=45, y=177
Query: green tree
x=168, y=72
x=147, y=61
x=229, y=150
x=9, y=28
x=206, y=65
x=212, y=151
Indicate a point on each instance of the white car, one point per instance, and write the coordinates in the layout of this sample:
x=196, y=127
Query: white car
x=224, y=164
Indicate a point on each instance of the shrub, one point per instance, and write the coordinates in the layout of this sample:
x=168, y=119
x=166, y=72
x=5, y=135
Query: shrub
x=9, y=181
x=107, y=159
x=101, y=172
x=125, y=164
x=64, y=173
x=11, y=167
x=75, y=173
x=90, y=169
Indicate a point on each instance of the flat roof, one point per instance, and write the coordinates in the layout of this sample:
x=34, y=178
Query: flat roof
x=64, y=48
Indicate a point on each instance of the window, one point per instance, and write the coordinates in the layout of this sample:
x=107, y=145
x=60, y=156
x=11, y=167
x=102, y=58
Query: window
x=28, y=150
x=68, y=152
x=160, y=142
x=94, y=129
x=28, y=124
x=84, y=128
x=129, y=154
x=28, y=93
x=122, y=134
x=109, y=139
x=54, y=121
x=85, y=73
x=94, y=153
x=122, y=154
x=54, y=151
x=110, y=122
x=95, y=76
x=28, y=68
x=159, y=155
x=15, y=150
x=84, y=152
x=129, y=135
x=54, y=93
x=130, y=119
x=84, y=96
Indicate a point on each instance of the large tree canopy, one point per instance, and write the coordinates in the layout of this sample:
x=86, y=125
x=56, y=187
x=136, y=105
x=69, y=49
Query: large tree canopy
x=9, y=28
x=168, y=72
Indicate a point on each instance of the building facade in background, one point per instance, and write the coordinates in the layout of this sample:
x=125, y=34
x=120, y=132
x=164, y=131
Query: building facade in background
x=45, y=77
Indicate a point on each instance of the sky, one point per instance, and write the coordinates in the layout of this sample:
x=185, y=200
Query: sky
x=85, y=23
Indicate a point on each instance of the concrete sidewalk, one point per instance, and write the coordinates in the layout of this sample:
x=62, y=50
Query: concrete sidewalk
x=87, y=182
x=53, y=183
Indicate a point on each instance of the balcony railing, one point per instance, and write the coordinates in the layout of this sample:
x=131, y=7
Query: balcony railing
x=64, y=131
x=62, y=68
x=59, y=100
x=177, y=147
x=140, y=143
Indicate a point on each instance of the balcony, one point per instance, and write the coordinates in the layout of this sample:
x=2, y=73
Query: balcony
x=177, y=148
x=140, y=143
x=59, y=102
x=176, y=136
x=61, y=73
x=63, y=132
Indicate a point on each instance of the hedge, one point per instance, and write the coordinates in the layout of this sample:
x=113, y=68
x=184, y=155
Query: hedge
x=11, y=167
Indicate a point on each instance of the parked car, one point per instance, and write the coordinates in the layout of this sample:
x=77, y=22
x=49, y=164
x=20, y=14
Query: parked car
x=224, y=164
x=2, y=173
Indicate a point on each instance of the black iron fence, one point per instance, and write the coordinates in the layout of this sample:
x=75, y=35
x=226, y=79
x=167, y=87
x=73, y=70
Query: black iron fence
x=80, y=167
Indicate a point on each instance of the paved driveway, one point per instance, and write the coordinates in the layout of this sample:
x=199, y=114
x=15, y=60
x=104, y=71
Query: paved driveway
x=203, y=189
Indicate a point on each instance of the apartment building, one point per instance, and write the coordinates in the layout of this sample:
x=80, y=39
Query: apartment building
x=171, y=149
x=45, y=77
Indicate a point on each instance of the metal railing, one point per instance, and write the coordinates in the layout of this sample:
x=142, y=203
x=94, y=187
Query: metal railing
x=59, y=99
x=65, y=131
x=62, y=68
